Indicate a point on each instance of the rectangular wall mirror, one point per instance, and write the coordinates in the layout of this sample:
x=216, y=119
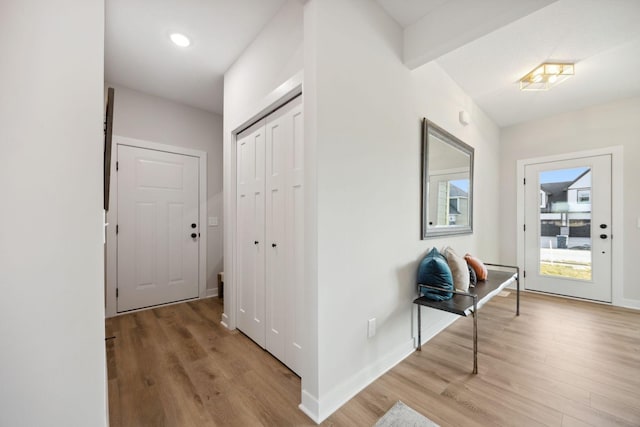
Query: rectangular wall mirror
x=447, y=183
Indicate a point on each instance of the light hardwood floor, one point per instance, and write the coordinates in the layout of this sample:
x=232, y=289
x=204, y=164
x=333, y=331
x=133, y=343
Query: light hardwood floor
x=561, y=363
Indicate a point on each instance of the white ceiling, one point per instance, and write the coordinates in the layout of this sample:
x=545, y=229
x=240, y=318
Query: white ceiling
x=603, y=37
x=408, y=12
x=139, y=54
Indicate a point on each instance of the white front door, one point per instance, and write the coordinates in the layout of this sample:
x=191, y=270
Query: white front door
x=568, y=227
x=158, y=229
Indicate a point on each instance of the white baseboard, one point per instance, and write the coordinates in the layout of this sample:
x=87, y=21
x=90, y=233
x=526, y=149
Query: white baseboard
x=319, y=410
x=211, y=293
x=310, y=406
x=629, y=303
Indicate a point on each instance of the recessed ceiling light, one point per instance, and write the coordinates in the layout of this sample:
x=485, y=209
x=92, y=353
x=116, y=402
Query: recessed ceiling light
x=180, y=39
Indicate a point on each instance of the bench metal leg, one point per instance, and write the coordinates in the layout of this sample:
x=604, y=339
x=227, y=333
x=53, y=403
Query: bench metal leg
x=475, y=335
x=518, y=291
x=474, y=313
x=419, y=329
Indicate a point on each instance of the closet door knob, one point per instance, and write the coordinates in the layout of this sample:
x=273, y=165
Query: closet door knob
x=194, y=235
x=256, y=242
x=273, y=245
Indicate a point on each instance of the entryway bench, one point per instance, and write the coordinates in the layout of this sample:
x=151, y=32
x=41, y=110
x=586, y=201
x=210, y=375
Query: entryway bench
x=465, y=303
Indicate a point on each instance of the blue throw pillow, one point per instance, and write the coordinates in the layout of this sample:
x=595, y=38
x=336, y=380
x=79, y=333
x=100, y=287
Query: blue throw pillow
x=434, y=271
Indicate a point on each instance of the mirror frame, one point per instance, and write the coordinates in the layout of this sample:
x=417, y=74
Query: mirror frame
x=429, y=128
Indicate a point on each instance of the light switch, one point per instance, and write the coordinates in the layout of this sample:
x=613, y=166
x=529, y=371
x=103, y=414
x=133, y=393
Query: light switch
x=213, y=221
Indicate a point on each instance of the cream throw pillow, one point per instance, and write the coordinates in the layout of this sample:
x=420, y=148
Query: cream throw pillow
x=459, y=270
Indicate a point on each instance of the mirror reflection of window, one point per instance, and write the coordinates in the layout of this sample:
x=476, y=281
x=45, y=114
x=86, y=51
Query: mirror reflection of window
x=459, y=202
x=452, y=202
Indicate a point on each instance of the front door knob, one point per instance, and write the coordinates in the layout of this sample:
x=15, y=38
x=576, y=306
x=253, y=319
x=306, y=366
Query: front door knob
x=194, y=235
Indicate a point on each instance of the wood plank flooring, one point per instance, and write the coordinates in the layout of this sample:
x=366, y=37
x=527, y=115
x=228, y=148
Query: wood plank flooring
x=561, y=363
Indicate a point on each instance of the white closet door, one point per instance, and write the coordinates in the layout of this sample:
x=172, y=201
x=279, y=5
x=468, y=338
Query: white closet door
x=278, y=134
x=284, y=232
x=251, y=233
x=295, y=243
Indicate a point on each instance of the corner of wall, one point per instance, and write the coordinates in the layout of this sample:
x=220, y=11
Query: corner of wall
x=310, y=406
x=332, y=400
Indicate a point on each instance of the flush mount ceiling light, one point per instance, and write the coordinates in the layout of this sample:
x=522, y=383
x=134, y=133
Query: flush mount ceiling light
x=546, y=75
x=180, y=39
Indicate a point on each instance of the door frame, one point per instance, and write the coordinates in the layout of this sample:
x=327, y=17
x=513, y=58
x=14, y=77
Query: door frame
x=617, y=240
x=111, y=270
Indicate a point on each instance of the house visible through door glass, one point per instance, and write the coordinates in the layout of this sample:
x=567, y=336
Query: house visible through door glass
x=565, y=223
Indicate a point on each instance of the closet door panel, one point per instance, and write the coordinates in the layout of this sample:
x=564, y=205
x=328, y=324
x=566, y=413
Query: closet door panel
x=295, y=242
x=278, y=134
x=261, y=248
x=250, y=233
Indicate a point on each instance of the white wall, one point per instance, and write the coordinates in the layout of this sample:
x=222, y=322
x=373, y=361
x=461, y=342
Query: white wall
x=52, y=362
x=271, y=59
x=612, y=124
x=366, y=118
x=151, y=118
x=363, y=109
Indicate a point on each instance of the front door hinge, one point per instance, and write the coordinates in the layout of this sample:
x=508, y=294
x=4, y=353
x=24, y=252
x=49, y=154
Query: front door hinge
x=524, y=227
x=524, y=273
x=524, y=181
x=117, y=165
x=117, y=228
x=117, y=292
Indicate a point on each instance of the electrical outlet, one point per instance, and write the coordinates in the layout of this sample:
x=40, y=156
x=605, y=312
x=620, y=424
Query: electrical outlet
x=371, y=328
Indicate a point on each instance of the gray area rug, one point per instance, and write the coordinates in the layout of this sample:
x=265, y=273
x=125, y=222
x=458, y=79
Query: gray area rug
x=400, y=415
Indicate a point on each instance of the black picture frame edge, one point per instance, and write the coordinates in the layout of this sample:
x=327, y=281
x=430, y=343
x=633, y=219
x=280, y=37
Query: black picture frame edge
x=108, y=135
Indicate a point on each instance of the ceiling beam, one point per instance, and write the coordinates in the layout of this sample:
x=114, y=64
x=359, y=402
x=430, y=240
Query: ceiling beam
x=458, y=22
